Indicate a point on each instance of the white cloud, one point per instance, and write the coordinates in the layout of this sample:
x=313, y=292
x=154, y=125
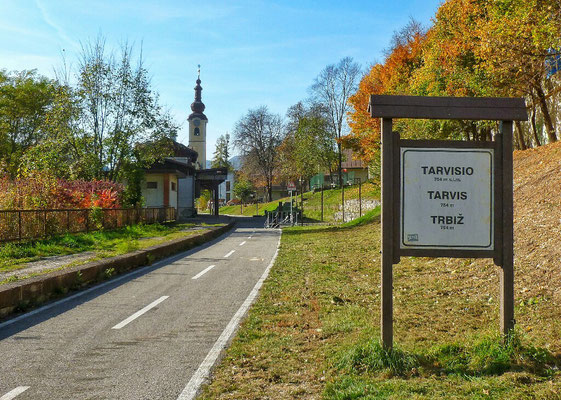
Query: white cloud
x=61, y=33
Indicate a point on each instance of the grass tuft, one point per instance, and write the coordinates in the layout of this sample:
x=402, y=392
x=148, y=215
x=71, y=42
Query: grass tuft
x=371, y=356
x=348, y=388
x=490, y=355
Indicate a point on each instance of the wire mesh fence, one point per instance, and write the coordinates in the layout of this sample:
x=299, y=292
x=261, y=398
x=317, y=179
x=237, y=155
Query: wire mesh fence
x=16, y=225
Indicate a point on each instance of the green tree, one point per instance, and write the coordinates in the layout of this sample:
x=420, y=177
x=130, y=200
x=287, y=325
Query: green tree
x=332, y=89
x=243, y=189
x=118, y=109
x=25, y=99
x=222, y=152
x=308, y=147
x=258, y=135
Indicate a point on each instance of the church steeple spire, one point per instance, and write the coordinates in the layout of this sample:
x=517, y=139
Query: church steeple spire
x=197, y=124
x=198, y=106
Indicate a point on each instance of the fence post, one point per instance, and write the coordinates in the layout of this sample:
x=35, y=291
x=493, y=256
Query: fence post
x=68, y=221
x=343, y=200
x=322, y=202
x=87, y=220
x=301, y=201
x=45, y=223
x=19, y=225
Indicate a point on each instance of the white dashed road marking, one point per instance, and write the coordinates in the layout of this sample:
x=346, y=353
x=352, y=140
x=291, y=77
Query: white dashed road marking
x=190, y=391
x=139, y=313
x=229, y=254
x=14, y=393
x=204, y=271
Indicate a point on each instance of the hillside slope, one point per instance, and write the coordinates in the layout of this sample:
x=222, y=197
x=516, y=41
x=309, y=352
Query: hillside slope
x=313, y=331
x=537, y=221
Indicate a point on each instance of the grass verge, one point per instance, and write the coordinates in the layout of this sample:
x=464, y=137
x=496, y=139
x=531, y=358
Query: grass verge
x=313, y=332
x=312, y=202
x=14, y=256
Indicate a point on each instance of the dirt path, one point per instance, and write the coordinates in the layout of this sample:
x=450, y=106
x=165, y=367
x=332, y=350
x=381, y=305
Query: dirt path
x=48, y=263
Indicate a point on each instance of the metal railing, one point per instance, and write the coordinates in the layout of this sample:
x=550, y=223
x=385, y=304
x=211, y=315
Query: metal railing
x=278, y=218
x=16, y=225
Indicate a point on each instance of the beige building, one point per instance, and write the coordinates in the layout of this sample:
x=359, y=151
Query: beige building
x=162, y=181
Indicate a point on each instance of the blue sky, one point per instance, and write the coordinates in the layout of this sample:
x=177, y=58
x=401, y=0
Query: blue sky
x=251, y=53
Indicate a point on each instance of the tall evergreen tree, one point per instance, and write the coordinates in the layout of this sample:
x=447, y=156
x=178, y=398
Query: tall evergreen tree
x=222, y=152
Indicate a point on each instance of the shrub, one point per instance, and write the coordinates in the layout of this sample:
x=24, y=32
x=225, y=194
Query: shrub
x=42, y=191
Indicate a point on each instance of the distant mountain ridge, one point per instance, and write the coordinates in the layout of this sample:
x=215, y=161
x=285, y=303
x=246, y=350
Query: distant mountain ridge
x=235, y=161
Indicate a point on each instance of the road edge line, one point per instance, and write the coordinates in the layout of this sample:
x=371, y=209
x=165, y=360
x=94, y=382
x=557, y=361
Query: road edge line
x=201, y=374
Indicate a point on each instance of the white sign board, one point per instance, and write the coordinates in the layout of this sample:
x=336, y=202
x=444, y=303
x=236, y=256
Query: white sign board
x=446, y=199
x=291, y=187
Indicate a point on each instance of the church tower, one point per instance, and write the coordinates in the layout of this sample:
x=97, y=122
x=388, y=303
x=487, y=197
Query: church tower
x=197, y=125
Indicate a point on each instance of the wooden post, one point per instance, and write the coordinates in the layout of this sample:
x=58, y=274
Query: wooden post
x=19, y=225
x=68, y=221
x=343, y=200
x=388, y=204
x=301, y=202
x=216, y=205
x=507, y=265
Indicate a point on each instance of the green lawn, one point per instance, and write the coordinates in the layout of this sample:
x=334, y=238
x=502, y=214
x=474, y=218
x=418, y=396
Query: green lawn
x=312, y=202
x=313, y=332
x=14, y=256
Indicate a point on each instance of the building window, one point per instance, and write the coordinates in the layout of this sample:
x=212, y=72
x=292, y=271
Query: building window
x=173, y=188
x=197, y=132
x=151, y=185
x=227, y=186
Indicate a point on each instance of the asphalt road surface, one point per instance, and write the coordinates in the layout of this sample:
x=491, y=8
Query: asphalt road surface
x=151, y=334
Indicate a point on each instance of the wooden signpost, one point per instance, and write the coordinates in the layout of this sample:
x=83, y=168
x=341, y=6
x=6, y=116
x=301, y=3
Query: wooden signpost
x=445, y=198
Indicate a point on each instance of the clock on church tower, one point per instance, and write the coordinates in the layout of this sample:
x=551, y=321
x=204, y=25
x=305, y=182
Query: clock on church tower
x=197, y=126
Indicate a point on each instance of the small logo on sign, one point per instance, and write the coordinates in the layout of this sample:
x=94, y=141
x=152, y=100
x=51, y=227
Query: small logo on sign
x=412, y=237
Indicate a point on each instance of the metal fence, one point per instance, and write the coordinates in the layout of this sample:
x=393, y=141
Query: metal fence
x=18, y=225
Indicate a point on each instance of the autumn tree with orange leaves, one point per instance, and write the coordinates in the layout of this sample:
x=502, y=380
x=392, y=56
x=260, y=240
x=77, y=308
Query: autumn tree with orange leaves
x=475, y=48
x=391, y=77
